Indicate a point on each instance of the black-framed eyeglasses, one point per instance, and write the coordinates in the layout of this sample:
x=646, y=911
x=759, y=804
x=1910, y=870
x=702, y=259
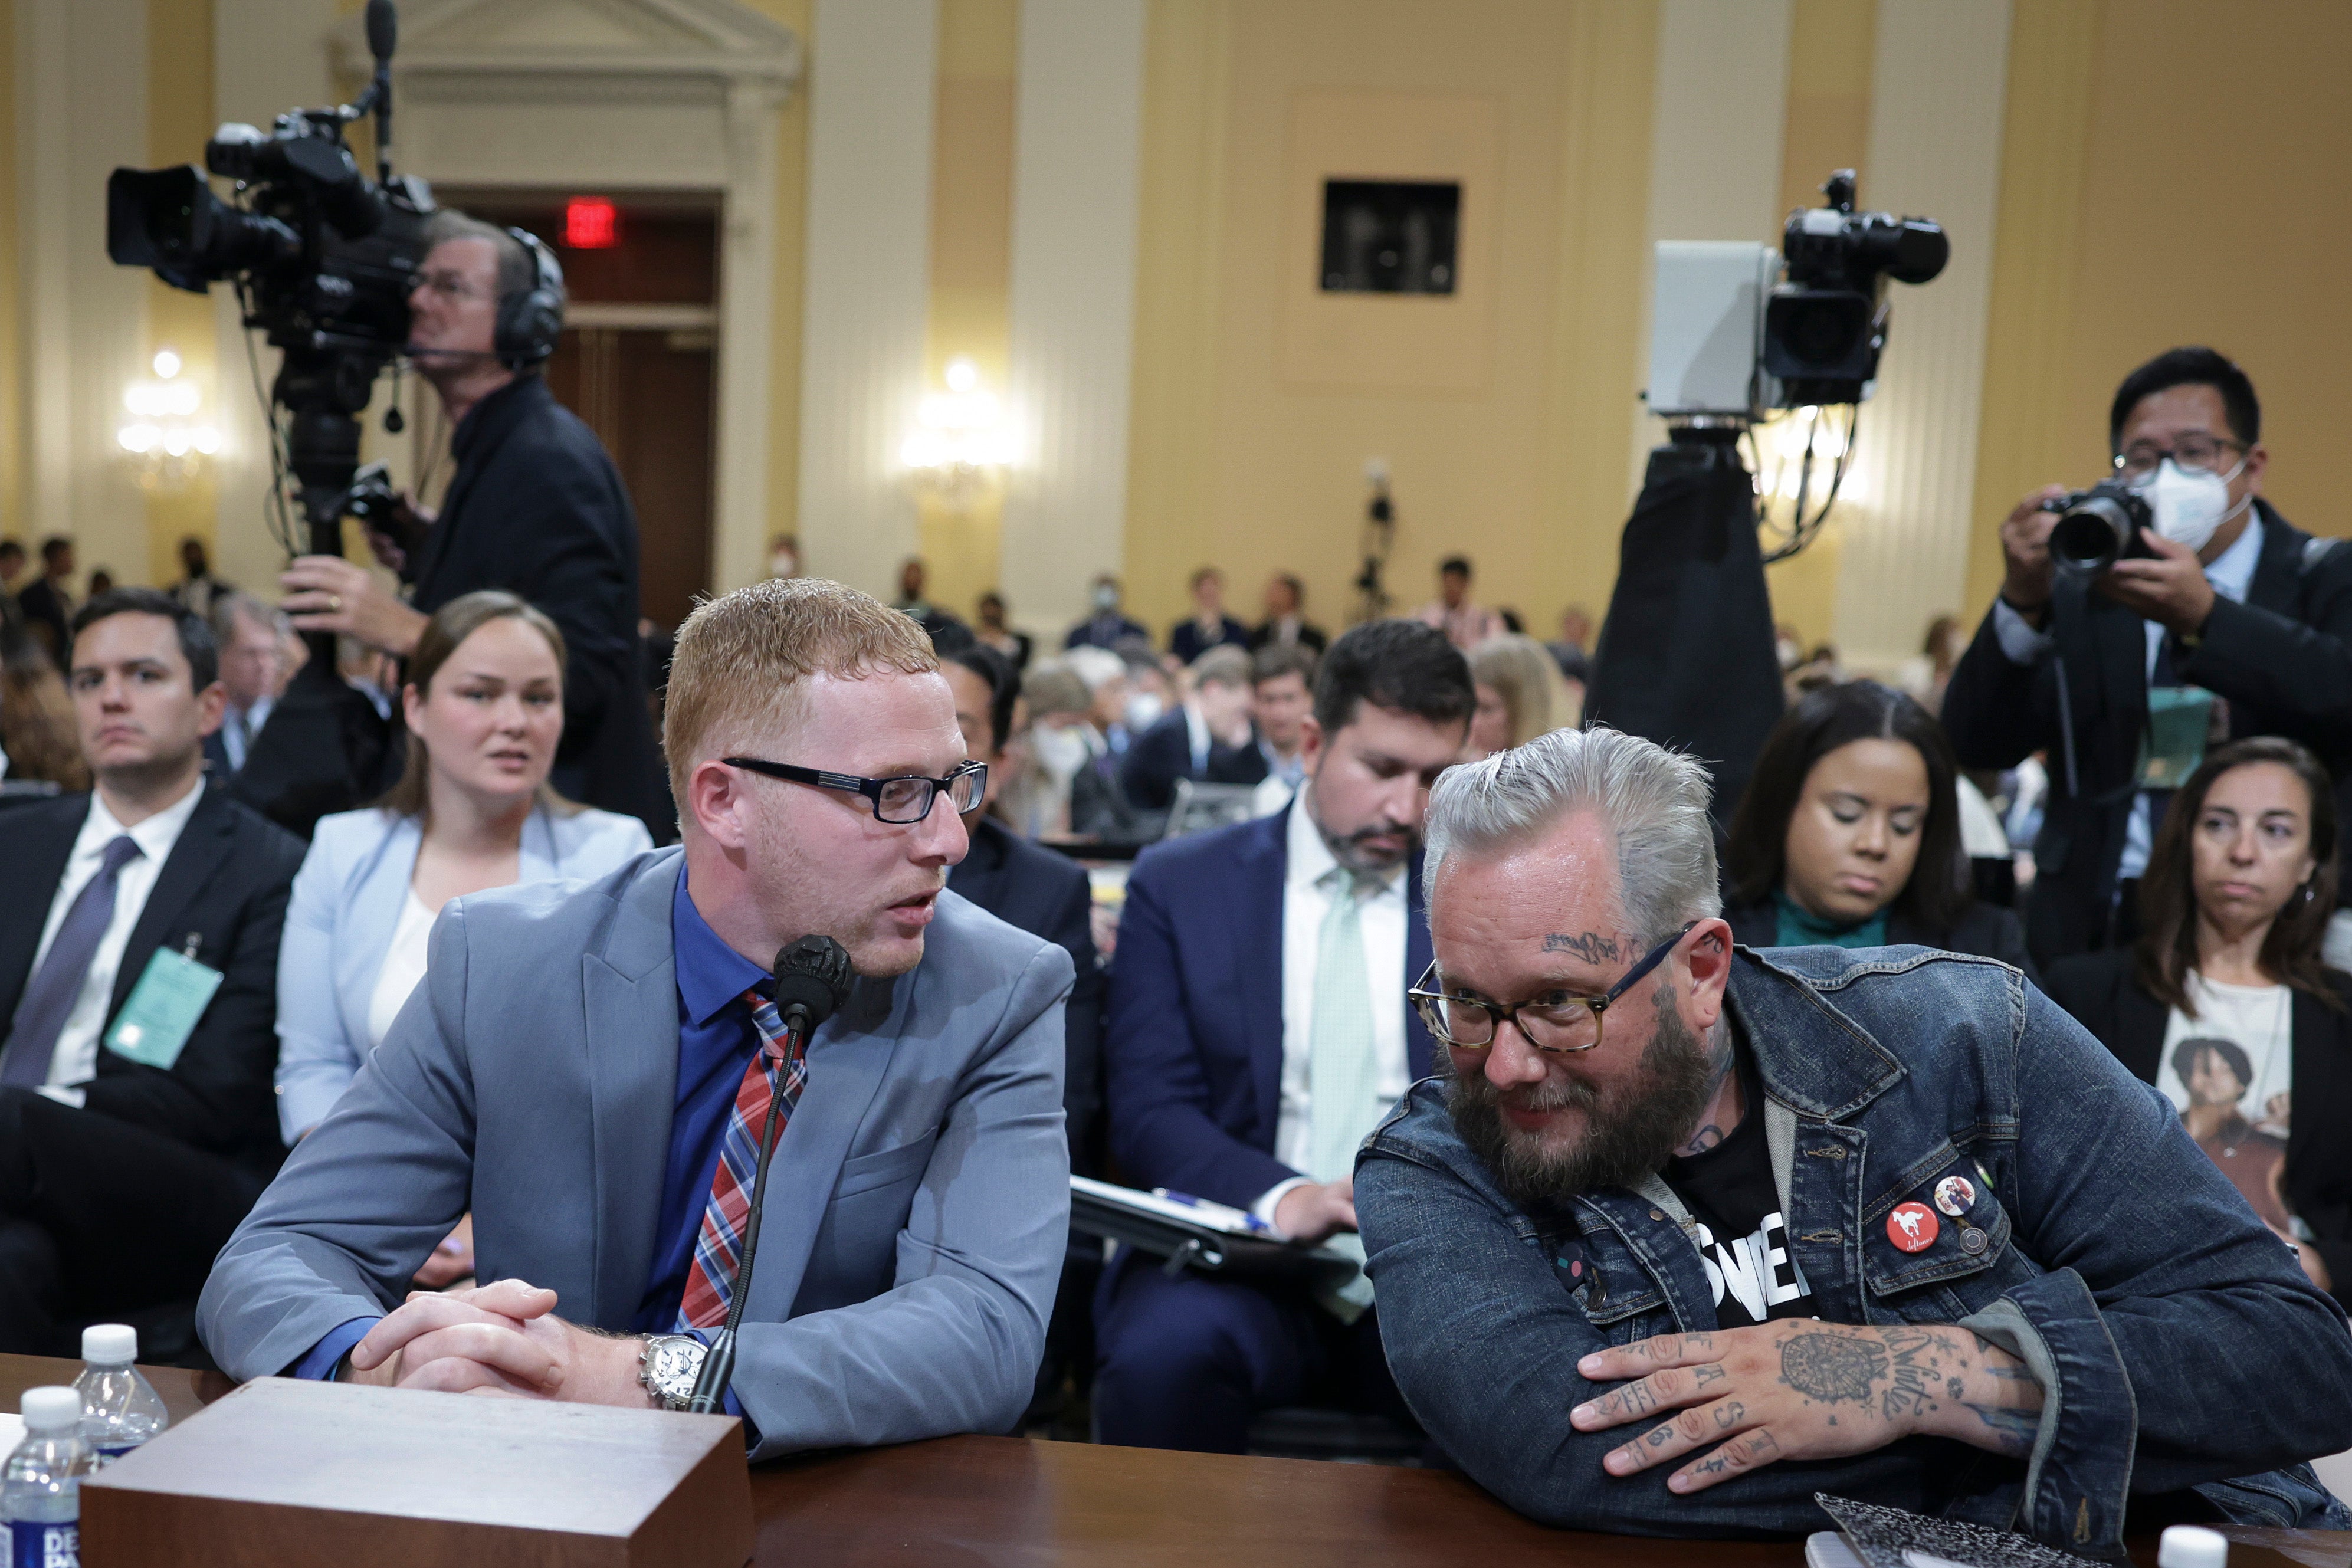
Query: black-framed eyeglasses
x=2192, y=450
x=905, y=799
x=1558, y=1021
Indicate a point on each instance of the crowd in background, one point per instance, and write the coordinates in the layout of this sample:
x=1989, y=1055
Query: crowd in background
x=2175, y=884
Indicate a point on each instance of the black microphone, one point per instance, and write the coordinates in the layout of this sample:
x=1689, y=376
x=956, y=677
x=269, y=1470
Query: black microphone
x=383, y=28
x=813, y=980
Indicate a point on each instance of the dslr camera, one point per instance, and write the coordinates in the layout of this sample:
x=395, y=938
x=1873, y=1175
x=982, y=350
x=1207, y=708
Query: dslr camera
x=2097, y=527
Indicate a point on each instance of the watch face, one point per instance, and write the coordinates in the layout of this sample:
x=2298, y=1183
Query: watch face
x=673, y=1366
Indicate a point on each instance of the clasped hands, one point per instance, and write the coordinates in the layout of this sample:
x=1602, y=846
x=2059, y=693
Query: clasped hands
x=503, y=1340
x=1803, y=1389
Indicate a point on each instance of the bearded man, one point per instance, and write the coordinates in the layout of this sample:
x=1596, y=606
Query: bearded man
x=1688, y=1233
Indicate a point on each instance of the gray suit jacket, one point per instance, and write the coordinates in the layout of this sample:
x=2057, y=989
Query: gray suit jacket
x=531, y=1076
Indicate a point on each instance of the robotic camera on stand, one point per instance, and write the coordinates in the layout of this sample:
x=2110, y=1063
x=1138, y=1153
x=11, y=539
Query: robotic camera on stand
x=1687, y=655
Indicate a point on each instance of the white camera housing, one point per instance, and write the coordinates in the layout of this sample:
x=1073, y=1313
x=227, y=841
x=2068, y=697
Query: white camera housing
x=1707, y=330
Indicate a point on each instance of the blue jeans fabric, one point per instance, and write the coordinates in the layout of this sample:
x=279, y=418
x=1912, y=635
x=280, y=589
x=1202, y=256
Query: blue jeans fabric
x=2186, y=1350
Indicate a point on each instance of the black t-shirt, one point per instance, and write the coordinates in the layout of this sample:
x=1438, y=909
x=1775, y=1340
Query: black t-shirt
x=1741, y=1236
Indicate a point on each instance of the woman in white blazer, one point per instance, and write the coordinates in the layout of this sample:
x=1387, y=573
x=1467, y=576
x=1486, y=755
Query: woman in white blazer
x=472, y=810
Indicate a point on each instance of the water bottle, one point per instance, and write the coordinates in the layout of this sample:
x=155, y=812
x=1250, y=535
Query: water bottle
x=119, y=1408
x=40, y=1498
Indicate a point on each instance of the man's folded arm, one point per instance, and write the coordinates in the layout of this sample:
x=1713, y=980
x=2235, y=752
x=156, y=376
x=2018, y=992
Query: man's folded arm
x=361, y=1201
x=1155, y=1096
x=1484, y=1340
x=1990, y=708
x=2186, y=1346
x=953, y=1346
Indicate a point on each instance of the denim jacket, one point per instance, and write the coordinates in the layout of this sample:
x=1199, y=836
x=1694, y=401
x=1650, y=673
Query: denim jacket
x=2178, y=1344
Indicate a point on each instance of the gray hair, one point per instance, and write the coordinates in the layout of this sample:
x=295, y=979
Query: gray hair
x=227, y=607
x=518, y=269
x=1655, y=799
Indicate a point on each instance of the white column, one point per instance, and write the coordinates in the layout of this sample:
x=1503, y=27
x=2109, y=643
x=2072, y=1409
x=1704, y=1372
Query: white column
x=1937, y=90
x=747, y=294
x=1076, y=174
x=82, y=108
x=867, y=295
x=1714, y=146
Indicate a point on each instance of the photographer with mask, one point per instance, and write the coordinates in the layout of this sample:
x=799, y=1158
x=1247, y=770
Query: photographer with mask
x=535, y=506
x=2221, y=621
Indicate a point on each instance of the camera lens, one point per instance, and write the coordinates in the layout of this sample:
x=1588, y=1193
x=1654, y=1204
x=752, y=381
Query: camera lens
x=2090, y=533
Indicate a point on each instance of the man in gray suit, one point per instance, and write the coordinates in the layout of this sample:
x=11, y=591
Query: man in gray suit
x=582, y=1065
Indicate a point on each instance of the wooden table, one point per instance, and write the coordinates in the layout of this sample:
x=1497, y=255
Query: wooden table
x=1010, y=1502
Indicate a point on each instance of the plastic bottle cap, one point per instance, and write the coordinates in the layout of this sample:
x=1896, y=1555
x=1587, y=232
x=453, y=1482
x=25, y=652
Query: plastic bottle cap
x=51, y=1409
x=110, y=1344
x=2185, y=1546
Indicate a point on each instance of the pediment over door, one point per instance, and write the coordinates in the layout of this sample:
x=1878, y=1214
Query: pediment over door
x=708, y=39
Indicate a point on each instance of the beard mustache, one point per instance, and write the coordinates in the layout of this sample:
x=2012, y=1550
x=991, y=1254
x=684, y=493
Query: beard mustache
x=1629, y=1127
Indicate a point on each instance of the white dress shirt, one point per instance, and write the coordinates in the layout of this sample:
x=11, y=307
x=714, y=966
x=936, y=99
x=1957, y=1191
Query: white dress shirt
x=1305, y=899
x=74, y=1061
x=2232, y=572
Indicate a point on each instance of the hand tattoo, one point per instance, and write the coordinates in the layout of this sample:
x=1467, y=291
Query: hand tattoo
x=1832, y=1368
x=1591, y=946
x=1914, y=1370
x=2012, y=1430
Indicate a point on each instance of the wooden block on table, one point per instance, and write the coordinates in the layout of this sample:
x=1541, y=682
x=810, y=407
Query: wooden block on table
x=284, y=1471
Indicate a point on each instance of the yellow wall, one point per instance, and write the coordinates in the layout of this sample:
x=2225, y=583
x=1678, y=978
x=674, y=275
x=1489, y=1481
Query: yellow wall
x=16, y=490
x=791, y=229
x=2168, y=176
x=179, y=120
x=1256, y=405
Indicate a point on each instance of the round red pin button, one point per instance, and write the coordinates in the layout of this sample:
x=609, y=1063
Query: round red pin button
x=1911, y=1228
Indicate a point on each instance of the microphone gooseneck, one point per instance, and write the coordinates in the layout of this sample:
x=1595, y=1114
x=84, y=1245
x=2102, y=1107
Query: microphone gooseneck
x=812, y=979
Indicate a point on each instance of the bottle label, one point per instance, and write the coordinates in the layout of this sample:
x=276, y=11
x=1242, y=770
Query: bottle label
x=35, y=1545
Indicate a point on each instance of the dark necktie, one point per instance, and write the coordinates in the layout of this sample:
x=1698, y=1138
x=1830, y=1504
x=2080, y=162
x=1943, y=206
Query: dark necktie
x=41, y=1014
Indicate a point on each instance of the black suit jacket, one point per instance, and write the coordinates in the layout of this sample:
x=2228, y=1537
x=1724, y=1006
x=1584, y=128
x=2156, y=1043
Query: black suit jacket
x=1184, y=639
x=1309, y=635
x=2283, y=659
x=1047, y=895
x=537, y=508
x=1156, y=758
x=225, y=888
x=1983, y=930
x=2098, y=989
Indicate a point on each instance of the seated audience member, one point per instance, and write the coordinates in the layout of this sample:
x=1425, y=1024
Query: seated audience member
x=585, y=1064
x=1208, y=626
x=1573, y=652
x=1034, y=889
x=38, y=733
x=47, y=600
x=138, y=930
x=1284, y=624
x=2224, y=1002
x=1258, y=1029
x=1282, y=695
x=914, y=600
x=484, y=705
x=12, y=564
x=1056, y=749
x=1848, y=835
x=1107, y=625
x=1630, y=1249
x=1207, y=739
x=197, y=588
x=992, y=631
x=1926, y=674
x=1465, y=623
x=1520, y=695
x=252, y=653
x=1098, y=806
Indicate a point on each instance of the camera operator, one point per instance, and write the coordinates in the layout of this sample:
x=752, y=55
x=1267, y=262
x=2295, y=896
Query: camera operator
x=2110, y=672
x=535, y=506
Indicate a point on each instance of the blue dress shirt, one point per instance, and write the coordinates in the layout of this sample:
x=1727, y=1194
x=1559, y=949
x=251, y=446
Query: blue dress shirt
x=716, y=1041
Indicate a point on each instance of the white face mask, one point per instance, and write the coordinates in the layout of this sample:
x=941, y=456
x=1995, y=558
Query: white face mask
x=2190, y=506
x=784, y=564
x=1106, y=600
x=1060, y=751
x=1143, y=710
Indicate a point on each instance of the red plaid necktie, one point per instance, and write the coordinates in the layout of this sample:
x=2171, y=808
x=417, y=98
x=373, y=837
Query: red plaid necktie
x=716, y=1250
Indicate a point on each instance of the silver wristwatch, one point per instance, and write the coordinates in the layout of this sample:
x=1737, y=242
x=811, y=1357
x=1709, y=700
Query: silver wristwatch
x=668, y=1367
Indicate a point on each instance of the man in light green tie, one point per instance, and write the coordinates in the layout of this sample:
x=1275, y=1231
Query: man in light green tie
x=1258, y=1031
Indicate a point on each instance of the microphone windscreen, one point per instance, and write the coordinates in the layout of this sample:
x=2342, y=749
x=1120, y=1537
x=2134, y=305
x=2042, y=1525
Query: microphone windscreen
x=383, y=28
x=813, y=975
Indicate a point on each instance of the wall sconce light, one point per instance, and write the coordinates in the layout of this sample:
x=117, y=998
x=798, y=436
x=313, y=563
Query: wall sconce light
x=164, y=445
x=962, y=449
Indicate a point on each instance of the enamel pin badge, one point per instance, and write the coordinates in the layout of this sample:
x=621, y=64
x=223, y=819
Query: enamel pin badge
x=1911, y=1228
x=1955, y=1195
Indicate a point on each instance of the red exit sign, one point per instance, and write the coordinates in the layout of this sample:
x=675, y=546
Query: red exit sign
x=591, y=223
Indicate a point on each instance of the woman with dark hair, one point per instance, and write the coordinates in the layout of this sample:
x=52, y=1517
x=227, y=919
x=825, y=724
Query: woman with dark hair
x=472, y=811
x=2225, y=990
x=38, y=733
x=1849, y=835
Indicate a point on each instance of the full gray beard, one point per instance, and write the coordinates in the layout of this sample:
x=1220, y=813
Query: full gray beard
x=1629, y=1129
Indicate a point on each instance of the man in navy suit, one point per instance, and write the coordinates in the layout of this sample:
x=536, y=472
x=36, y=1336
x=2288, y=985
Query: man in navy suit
x=1207, y=739
x=1258, y=1031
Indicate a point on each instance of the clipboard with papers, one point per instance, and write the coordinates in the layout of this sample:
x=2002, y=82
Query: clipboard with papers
x=1193, y=1233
